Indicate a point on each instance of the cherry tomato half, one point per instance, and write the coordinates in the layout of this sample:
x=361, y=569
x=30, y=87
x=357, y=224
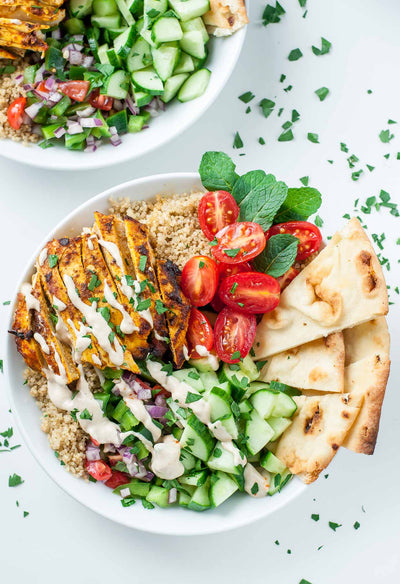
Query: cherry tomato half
x=15, y=112
x=216, y=210
x=234, y=334
x=308, y=234
x=159, y=390
x=239, y=242
x=76, y=90
x=117, y=479
x=101, y=102
x=199, y=280
x=287, y=277
x=98, y=469
x=250, y=292
x=226, y=270
x=200, y=332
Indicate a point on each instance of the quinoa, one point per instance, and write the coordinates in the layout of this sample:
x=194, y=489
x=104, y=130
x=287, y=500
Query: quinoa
x=10, y=90
x=173, y=224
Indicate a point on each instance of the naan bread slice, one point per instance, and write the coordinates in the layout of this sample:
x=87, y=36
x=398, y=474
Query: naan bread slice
x=317, y=365
x=225, y=17
x=341, y=288
x=366, y=339
x=319, y=428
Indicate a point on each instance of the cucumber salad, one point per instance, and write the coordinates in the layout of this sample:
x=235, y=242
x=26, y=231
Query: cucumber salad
x=110, y=67
x=216, y=437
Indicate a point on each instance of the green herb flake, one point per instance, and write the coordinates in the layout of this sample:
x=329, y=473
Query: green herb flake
x=272, y=14
x=356, y=525
x=234, y=286
x=94, y=282
x=302, y=581
x=232, y=253
x=325, y=48
x=334, y=525
x=160, y=308
x=315, y=517
x=143, y=305
x=26, y=513
x=254, y=489
x=261, y=141
x=246, y=97
x=286, y=136
x=192, y=397
x=217, y=452
x=167, y=368
x=193, y=375
x=85, y=415
x=267, y=106
x=128, y=501
x=282, y=78
x=295, y=55
x=305, y=180
x=53, y=260
x=236, y=355
x=73, y=414
x=314, y=138
x=295, y=116
x=14, y=480
x=142, y=263
x=385, y=136
x=237, y=141
x=318, y=221
x=6, y=302
x=147, y=504
x=322, y=93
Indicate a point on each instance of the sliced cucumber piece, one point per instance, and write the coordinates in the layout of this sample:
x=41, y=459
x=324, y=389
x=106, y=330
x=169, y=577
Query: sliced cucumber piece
x=222, y=487
x=123, y=43
x=102, y=53
x=135, y=6
x=158, y=496
x=166, y=30
x=197, y=439
x=284, y=406
x=264, y=401
x=80, y=8
x=124, y=10
x=245, y=407
x=220, y=403
x=278, y=481
x=153, y=9
x=147, y=80
x=193, y=44
x=145, y=33
x=117, y=85
x=200, y=500
x=209, y=379
x=104, y=7
x=111, y=21
x=259, y=432
x=142, y=98
x=271, y=463
x=279, y=425
x=222, y=459
x=195, y=86
x=191, y=377
x=188, y=9
x=119, y=120
x=184, y=498
x=140, y=56
x=188, y=460
x=113, y=58
x=195, y=479
x=164, y=60
x=185, y=64
x=196, y=24
x=203, y=364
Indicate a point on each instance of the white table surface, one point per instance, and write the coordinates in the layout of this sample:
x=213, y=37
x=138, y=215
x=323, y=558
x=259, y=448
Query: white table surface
x=60, y=541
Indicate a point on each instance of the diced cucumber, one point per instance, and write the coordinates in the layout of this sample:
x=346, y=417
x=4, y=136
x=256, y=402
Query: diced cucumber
x=80, y=8
x=209, y=379
x=188, y=9
x=112, y=21
x=61, y=106
x=74, y=26
x=220, y=403
x=184, y=499
x=48, y=131
x=164, y=60
x=193, y=44
x=264, y=401
x=284, y=406
x=119, y=120
x=188, y=460
x=135, y=124
x=249, y=368
x=185, y=64
x=30, y=74
x=124, y=10
x=222, y=487
x=140, y=56
x=142, y=98
x=102, y=53
x=124, y=42
x=135, y=6
x=196, y=24
x=203, y=364
x=258, y=431
x=239, y=375
x=113, y=58
x=191, y=377
x=222, y=459
x=120, y=410
x=158, y=496
x=278, y=481
x=104, y=7
x=145, y=33
x=271, y=463
x=147, y=80
x=200, y=500
x=137, y=488
x=166, y=30
x=195, y=478
x=279, y=425
x=152, y=9
x=245, y=407
x=115, y=32
x=255, y=386
x=197, y=439
x=117, y=85
x=128, y=421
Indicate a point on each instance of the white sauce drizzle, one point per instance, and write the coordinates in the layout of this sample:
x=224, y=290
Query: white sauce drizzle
x=99, y=326
x=43, y=345
x=209, y=358
x=96, y=360
x=201, y=408
x=62, y=332
x=32, y=303
x=165, y=462
x=42, y=256
x=127, y=325
x=138, y=409
x=59, y=304
x=252, y=477
x=145, y=314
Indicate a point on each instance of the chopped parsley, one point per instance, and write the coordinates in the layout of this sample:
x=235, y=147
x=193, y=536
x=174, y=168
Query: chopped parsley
x=385, y=136
x=14, y=480
x=142, y=263
x=53, y=260
x=236, y=355
x=305, y=180
x=85, y=415
x=94, y=283
x=160, y=308
x=232, y=253
x=334, y=525
x=261, y=141
x=167, y=368
x=143, y=305
x=315, y=517
x=295, y=55
x=272, y=14
x=237, y=141
x=286, y=136
x=322, y=93
x=325, y=48
x=267, y=106
x=246, y=97
x=192, y=397
x=254, y=489
x=314, y=138
x=234, y=286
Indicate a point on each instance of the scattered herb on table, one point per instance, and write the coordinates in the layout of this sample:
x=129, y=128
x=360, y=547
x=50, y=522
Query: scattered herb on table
x=314, y=138
x=325, y=48
x=295, y=55
x=272, y=14
x=322, y=93
x=14, y=480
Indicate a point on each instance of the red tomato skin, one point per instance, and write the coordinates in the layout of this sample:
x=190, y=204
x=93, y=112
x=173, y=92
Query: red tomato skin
x=117, y=479
x=101, y=102
x=98, y=469
x=226, y=270
x=216, y=303
x=259, y=293
x=246, y=236
x=200, y=332
x=237, y=327
x=216, y=202
x=287, y=277
x=15, y=112
x=159, y=390
x=309, y=235
x=76, y=90
x=199, y=284
x=41, y=86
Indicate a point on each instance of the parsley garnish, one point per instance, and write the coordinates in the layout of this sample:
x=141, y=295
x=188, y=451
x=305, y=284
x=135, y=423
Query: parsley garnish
x=267, y=107
x=167, y=368
x=232, y=253
x=236, y=355
x=237, y=141
x=14, y=480
x=295, y=55
x=322, y=93
x=160, y=308
x=85, y=415
x=254, y=489
x=315, y=517
x=143, y=305
x=272, y=14
x=313, y=137
x=234, y=286
x=385, y=136
x=53, y=259
x=325, y=48
x=142, y=263
x=246, y=97
x=356, y=525
x=286, y=136
x=192, y=397
x=334, y=525
x=94, y=282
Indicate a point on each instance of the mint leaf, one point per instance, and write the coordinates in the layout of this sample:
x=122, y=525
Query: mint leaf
x=217, y=171
x=279, y=254
x=299, y=204
x=259, y=196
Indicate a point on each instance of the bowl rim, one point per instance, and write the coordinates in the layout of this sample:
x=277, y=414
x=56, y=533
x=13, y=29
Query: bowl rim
x=123, y=154
x=44, y=462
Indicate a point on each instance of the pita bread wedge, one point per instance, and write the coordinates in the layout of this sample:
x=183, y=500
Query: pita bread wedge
x=341, y=288
x=318, y=430
x=225, y=17
x=5, y=54
x=366, y=340
x=318, y=365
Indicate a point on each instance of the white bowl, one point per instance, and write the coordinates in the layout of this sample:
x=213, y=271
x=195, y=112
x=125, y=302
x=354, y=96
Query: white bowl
x=239, y=510
x=224, y=53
